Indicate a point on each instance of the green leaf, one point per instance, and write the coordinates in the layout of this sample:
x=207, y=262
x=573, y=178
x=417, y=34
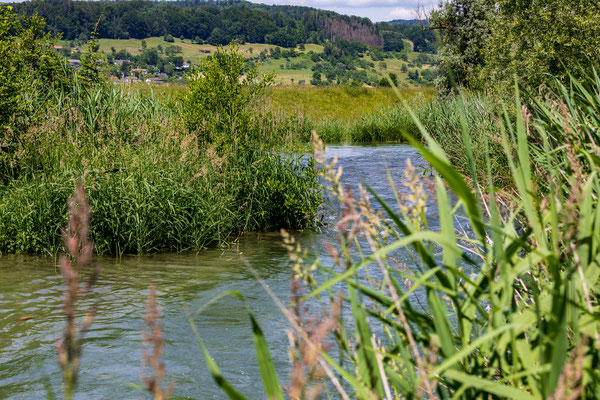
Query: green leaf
x=265, y=363
x=488, y=386
x=457, y=184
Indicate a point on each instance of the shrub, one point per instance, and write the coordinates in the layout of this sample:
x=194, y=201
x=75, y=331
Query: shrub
x=222, y=93
x=29, y=69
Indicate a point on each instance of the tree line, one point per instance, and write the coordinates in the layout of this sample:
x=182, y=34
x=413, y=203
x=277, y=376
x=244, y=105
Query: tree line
x=215, y=22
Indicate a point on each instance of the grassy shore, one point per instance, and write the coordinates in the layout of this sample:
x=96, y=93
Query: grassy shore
x=155, y=182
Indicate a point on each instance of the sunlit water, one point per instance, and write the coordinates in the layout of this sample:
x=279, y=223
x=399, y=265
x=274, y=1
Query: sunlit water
x=111, y=362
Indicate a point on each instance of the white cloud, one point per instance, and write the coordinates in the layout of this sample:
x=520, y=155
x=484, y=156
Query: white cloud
x=377, y=10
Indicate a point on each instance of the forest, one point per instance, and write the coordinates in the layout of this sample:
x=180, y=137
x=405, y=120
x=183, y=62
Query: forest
x=213, y=22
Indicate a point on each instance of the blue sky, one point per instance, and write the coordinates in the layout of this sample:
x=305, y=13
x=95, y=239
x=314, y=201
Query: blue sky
x=376, y=10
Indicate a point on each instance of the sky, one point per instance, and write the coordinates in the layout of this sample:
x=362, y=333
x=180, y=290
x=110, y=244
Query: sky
x=376, y=10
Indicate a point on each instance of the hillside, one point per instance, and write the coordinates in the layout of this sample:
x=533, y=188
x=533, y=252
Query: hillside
x=208, y=22
x=309, y=64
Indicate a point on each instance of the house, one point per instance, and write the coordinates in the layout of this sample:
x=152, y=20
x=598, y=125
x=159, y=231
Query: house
x=74, y=63
x=122, y=62
x=203, y=51
x=131, y=79
x=185, y=65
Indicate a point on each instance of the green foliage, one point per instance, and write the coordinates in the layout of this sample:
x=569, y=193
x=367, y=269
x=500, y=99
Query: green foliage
x=29, y=67
x=447, y=118
x=152, y=185
x=465, y=29
x=484, y=44
x=222, y=96
x=535, y=40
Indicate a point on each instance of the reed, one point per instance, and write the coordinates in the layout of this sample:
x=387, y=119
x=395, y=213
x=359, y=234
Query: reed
x=152, y=184
x=502, y=300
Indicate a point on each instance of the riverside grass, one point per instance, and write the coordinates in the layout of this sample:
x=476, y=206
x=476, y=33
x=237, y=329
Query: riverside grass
x=152, y=185
x=339, y=114
x=500, y=302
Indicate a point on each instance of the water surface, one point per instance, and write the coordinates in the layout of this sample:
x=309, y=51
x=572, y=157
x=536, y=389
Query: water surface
x=32, y=286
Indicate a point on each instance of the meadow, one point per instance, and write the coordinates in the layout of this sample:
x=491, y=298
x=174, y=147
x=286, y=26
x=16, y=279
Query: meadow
x=290, y=71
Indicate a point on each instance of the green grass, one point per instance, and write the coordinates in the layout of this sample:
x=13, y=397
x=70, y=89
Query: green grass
x=190, y=51
x=152, y=185
x=337, y=113
x=344, y=103
x=500, y=299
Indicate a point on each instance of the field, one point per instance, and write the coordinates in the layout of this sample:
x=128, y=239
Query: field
x=344, y=103
x=292, y=71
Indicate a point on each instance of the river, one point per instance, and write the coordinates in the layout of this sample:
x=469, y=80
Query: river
x=111, y=362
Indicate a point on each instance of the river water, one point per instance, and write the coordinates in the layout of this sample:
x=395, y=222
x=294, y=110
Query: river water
x=111, y=362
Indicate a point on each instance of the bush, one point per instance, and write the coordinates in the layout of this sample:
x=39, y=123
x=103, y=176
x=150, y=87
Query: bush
x=29, y=70
x=169, y=38
x=221, y=99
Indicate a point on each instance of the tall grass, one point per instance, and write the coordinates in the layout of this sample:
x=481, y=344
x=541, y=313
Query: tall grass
x=152, y=185
x=501, y=301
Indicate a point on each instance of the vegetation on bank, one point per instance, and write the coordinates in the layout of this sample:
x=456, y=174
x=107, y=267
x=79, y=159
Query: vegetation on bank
x=158, y=179
x=500, y=300
x=484, y=43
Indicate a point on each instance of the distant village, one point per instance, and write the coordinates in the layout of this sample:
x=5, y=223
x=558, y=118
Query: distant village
x=153, y=66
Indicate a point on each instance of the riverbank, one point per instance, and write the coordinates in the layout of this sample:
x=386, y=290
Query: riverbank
x=161, y=174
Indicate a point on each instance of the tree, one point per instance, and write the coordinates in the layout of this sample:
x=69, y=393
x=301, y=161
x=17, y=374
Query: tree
x=219, y=37
x=316, y=78
x=168, y=38
x=29, y=67
x=464, y=29
x=536, y=39
x=221, y=94
x=486, y=43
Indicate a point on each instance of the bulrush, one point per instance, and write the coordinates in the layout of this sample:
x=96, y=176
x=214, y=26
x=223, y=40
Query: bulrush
x=79, y=254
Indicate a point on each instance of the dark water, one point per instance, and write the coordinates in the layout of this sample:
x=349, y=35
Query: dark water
x=112, y=354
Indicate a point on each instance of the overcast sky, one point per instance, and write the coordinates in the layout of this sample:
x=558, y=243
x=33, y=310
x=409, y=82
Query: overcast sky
x=376, y=10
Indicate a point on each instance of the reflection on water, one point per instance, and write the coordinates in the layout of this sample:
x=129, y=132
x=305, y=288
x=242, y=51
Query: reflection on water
x=32, y=286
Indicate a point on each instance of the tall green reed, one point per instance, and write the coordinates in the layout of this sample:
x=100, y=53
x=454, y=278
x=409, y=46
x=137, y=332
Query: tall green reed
x=501, y=301
x=153, y=186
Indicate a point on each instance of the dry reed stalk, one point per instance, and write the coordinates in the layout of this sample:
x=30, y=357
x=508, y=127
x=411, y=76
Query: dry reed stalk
x=153, y=338
x=79, y=254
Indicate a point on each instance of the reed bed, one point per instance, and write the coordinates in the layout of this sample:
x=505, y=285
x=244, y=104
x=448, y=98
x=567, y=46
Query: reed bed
x=152, y=184
x=500, y=302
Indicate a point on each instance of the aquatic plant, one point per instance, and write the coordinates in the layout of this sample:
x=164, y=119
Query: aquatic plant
x=152, y=185
x=500, y=301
